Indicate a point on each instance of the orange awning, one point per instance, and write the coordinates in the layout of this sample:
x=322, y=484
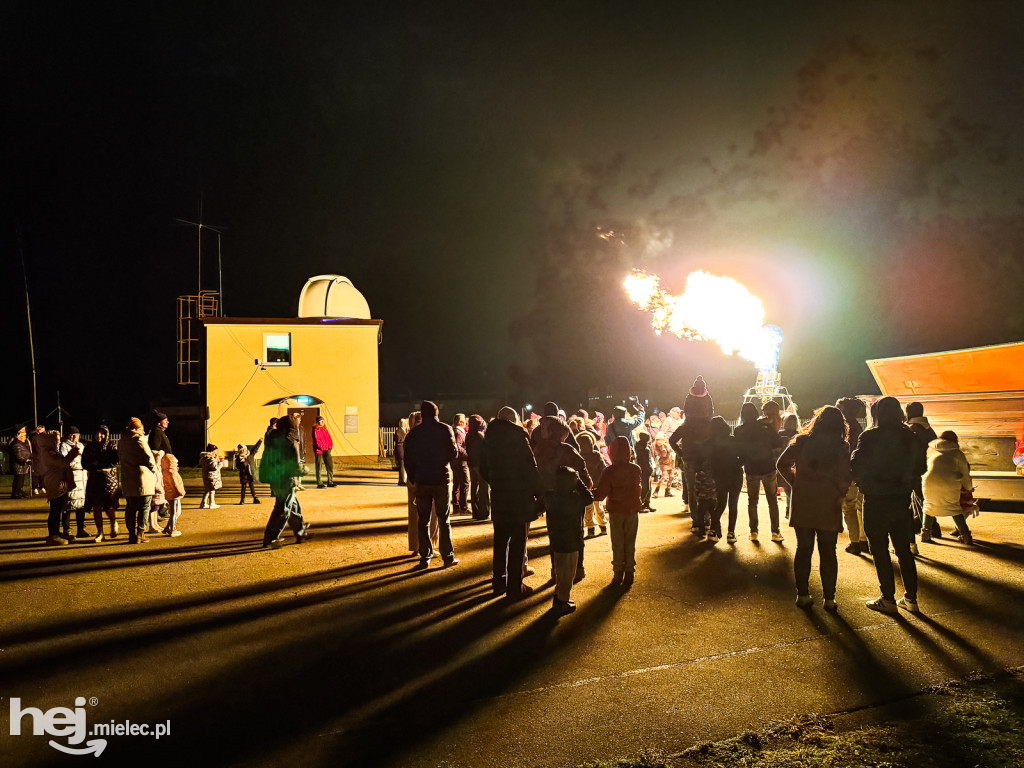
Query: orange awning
x=998, y=368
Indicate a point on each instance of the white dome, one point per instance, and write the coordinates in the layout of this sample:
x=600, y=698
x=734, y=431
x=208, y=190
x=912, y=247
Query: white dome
x=332, y=296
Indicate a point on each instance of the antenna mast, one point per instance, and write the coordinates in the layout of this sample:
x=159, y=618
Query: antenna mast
x=31, y=346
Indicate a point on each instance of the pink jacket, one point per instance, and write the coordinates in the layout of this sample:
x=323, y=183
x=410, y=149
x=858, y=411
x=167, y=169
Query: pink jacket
x=322, y=439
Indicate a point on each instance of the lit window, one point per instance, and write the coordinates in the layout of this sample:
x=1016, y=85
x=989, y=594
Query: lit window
x=277, y=348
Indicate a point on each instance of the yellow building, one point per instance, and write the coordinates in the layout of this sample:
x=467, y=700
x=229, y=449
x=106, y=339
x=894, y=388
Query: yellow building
x=322, y=363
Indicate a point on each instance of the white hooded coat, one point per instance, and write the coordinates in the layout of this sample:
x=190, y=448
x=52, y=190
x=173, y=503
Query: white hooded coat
x=948, y=473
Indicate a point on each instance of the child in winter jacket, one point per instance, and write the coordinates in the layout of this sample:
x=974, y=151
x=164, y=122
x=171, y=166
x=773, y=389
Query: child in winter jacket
x=565, y=505
x=210, y=463
x=595, y=468
x=174, y=492
x=620, y=485
x=244, y=463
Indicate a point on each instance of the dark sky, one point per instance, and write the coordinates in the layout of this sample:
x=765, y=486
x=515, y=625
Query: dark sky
x=856, y=167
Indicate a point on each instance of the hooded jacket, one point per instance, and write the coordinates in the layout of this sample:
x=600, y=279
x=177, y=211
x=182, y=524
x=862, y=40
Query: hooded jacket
x=74, y=452
x=138, y=467
x=211, y=463
x=623, y=427
x=174, y=487
x=508, y=465
x=476, y=434
x=948, y=473
x=593, y=457
x=620, y=483
x=58, y=476
x=551, y=448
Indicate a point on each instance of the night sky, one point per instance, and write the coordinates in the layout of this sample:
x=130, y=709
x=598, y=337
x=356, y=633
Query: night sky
x=857, y=167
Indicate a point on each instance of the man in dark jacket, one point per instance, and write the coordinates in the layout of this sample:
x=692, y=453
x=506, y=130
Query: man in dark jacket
x=886, y=463
x=158, y=437
x=508, y=465
x=756, y=442
x=429, y=450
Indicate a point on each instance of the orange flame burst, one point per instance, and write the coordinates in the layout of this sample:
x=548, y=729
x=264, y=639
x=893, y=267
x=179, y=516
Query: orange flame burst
x=712, y=308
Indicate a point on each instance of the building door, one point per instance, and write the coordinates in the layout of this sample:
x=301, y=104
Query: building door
x=308, y=417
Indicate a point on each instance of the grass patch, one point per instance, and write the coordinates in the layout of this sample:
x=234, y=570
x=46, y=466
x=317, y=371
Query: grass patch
x=978, y=722
x=973, y=723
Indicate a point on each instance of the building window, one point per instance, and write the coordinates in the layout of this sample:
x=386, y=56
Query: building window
x=277, y=348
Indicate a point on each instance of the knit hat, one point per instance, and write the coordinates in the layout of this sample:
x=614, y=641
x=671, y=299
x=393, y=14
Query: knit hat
x=210, y=447
x=73, y=431
x=699, y=388
x=508, y=413
x=550, y=409
x=240, y=448
x=158, y=416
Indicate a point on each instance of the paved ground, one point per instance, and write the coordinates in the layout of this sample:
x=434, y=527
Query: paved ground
x=338, y=652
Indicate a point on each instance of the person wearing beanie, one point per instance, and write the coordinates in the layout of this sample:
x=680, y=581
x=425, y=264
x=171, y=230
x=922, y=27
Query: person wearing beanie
x=508, y=466
x=210, y=463
x=71, y=448
x=698, y=402
x=138, y=480
x=158, y=437
x=887, y=461
x=429, y=451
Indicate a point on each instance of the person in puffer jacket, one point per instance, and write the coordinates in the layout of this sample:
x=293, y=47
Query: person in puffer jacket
x=949, y=474
x=72, y=447
x=210, y=463
x=174, y=492
x=58, y=481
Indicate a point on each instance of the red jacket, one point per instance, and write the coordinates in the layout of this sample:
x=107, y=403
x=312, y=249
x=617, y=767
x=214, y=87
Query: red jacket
x=322, y=439
x=620, y=483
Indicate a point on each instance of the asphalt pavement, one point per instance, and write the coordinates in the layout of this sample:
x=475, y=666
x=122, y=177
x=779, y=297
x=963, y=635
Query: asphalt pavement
x=340, y=652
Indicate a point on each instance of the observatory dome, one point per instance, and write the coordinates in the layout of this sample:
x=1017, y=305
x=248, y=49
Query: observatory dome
x=332, y=296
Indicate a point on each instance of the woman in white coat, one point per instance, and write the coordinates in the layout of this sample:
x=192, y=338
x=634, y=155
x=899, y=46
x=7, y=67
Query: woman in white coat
x=948, y=474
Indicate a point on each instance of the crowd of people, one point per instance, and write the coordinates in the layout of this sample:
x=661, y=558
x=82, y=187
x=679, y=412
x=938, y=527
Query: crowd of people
x=585, y=474
x=141, y=469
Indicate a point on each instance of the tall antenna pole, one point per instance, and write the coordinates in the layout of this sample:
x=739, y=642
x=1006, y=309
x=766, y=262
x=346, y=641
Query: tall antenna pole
x=31, y=346
x=220, y=277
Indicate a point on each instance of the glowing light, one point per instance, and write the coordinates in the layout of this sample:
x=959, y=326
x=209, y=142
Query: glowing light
x=712, y=308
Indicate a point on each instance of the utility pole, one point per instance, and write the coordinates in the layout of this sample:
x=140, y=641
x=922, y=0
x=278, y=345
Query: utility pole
x=31, y=346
